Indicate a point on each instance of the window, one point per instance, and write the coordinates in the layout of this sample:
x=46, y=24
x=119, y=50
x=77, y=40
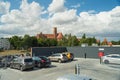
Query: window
x=28, y=60
x=115, y=56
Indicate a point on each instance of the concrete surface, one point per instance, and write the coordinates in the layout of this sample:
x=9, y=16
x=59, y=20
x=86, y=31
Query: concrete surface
x=88, y=67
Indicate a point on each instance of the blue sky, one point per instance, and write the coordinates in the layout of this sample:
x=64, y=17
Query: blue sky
x=85, y=5
x=93, y=17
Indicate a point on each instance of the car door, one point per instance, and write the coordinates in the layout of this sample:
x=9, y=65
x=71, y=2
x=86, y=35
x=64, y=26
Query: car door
x=18, y=63
x=14, y=62
x=52, y=57
x=115, y=59
x=112, y=59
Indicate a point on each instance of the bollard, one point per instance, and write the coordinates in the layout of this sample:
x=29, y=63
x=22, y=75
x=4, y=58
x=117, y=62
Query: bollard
x=77, y=69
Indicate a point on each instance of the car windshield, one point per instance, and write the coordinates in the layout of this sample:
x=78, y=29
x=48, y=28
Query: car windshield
x=36, y=58
x=28, y=60
x=43, y=57
x=63, y=54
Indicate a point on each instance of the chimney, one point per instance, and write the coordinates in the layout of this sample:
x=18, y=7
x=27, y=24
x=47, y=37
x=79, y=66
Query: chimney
x=55, y=32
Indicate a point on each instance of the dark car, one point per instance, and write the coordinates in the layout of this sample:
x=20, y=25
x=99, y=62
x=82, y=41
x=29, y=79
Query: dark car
x=22, y=63
x=46, y=61
x=37, y=61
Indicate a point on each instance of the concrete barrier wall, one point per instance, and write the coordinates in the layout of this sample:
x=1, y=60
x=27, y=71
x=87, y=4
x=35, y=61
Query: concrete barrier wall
x=92, y=52
x=79, y=52
x=47, y=51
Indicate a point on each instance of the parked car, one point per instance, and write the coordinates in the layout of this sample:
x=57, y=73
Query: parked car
x=1, y=64
x=46, y=61
x=5, y=61
x=69, y=55
x=58, y=57
x=22, y=63
x=37, y=61
x=111, y=58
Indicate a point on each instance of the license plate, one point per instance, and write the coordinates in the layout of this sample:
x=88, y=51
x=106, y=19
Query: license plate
x=30, y=63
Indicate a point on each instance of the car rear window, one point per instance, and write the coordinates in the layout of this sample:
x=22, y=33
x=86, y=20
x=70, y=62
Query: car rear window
x=115, y=56
x=43, y=57
x=28, y=60
x=63, y=54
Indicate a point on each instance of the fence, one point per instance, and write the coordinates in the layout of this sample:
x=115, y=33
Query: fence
x=79, y=52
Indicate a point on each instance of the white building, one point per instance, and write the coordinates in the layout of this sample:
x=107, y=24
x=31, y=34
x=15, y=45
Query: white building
x=4, y=43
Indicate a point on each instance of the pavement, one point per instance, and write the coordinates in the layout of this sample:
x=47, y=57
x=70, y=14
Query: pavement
x=88, y=67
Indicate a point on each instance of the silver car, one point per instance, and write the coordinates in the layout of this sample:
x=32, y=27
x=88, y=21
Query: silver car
x=22, y=63
x=58, y=57
x=111, y=58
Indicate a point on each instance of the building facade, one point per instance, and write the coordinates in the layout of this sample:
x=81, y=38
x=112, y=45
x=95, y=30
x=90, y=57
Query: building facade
x=4, y=44
x=55, y=35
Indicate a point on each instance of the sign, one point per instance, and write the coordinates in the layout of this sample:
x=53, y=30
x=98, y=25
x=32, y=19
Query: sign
x=100, y=54
x=101, y=49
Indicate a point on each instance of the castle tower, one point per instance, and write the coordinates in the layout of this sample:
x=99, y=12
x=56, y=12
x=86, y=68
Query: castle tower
x=55, y=32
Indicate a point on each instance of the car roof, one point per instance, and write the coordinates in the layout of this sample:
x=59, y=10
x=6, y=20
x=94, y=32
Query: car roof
x=57, y=54
x=113, y=55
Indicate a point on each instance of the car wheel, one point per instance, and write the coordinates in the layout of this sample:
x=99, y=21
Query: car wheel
x=106, y=62
x=39, y=65
x=32, y=68
x=11, y=66
x=21, y=68
x=60, y=61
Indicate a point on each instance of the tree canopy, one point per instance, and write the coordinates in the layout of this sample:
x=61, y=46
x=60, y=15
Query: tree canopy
x=27, y=41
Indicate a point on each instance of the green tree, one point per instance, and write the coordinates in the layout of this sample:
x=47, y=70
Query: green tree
x=89, y=40
x=16, y=42
x=84, y=36
x=75, y=41
x=68, y=40
x=29, y=42
x=40, y=42
x=47, y=42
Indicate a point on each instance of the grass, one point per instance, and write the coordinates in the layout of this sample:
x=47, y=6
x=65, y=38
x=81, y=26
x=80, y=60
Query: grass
x=12, y=52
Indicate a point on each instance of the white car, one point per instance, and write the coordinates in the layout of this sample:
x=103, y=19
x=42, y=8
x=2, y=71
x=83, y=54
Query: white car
x=111, y=58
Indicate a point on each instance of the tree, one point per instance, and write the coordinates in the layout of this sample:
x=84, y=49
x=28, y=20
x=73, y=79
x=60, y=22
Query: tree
x=89, y=40
x=47, y=42
x=40, y=42
x=68, y=40
x=26, y=42
x=84, y=36
x=75, y=41
x=16, y=42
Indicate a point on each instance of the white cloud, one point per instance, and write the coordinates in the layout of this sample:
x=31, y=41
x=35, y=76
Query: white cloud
x=56, y=6
x=101, y=23
x=27, y=20
x=4, y=7
x=104, y=23
x=66, y=17
x=76, y=6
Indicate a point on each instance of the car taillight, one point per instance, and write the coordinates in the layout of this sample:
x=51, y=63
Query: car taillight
x=43, y=61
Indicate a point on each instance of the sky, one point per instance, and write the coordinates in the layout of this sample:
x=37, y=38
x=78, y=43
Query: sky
x=98, y=18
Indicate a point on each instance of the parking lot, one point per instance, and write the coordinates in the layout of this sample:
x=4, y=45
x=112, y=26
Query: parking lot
x=88, y=67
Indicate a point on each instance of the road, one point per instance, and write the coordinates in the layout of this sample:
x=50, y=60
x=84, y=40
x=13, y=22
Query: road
x=88, y=67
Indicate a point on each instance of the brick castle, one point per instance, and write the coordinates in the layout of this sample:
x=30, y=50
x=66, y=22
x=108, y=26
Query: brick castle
x=55, y=35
